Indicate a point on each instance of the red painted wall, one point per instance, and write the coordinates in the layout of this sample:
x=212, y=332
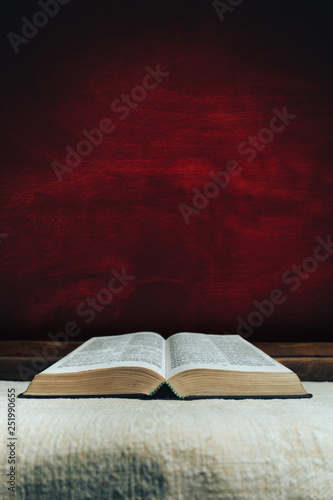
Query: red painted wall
x=119, y=207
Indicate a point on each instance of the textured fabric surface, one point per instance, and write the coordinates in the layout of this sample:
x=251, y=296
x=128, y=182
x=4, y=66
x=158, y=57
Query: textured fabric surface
x=96, y=449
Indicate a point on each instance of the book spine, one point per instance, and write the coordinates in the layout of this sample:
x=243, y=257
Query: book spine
x=166, y=383
x=178, y=395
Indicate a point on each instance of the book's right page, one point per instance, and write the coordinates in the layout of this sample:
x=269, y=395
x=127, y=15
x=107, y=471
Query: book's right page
x=187, y=351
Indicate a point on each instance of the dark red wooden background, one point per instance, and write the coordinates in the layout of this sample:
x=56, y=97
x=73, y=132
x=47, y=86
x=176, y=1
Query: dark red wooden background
x=119, y=207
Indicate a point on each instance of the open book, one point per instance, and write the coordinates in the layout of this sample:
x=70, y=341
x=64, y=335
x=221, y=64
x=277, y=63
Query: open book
x=191, y=364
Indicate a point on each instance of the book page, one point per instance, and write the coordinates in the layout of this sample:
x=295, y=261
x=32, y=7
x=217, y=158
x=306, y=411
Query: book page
x=143, y=349
x=187, y=351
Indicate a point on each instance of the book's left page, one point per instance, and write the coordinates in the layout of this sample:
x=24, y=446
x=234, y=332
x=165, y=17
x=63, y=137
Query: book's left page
x=142, y=349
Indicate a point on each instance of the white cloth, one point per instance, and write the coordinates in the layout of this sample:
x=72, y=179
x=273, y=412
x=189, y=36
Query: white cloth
x=124, y=449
